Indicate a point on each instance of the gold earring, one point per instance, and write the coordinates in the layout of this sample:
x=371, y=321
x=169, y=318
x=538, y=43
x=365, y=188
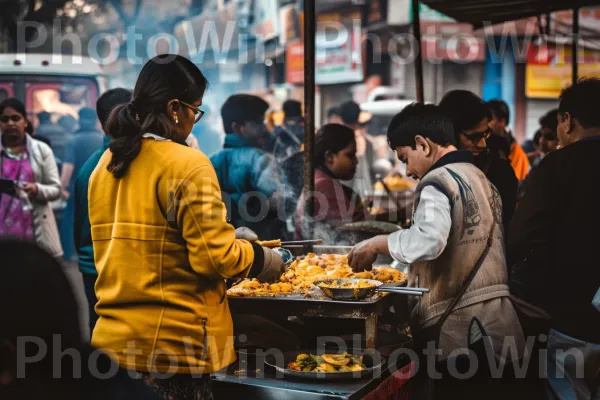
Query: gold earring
x=176, y=119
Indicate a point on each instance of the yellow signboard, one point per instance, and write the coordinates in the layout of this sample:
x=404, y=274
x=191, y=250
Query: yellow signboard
x=549, y=70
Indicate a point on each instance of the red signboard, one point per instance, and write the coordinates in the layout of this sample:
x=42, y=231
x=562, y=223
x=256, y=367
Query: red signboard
x=294, y=63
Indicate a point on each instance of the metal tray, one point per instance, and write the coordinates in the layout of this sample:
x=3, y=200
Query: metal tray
x=372, y=361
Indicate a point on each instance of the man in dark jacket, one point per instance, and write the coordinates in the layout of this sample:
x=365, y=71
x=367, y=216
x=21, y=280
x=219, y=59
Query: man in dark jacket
x=55, y=133
x=289, y=137
x=79, y=148
x=470, y=118
x=553, y=245
x=82, y=229
x=251, y=180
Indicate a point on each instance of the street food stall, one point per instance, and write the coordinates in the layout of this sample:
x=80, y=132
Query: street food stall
x=314, y=289
x=300, y=295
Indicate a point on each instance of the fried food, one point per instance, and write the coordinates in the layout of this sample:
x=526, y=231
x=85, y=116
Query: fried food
x=269, y=243
x=327, y=363
x=303, y=272
x=388, y=275
x=363, y=275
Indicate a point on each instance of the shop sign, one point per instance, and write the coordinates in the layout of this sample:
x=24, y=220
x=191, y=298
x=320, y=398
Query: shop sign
x=339, y=51
x=549, y=69
x=589, y=20
x=294, y=63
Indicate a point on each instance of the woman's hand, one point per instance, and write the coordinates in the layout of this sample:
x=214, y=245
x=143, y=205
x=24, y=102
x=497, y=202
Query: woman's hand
x=363, y=255
x=31, y=189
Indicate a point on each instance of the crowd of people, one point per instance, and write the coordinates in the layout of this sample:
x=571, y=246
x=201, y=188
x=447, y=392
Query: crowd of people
x=501, y=234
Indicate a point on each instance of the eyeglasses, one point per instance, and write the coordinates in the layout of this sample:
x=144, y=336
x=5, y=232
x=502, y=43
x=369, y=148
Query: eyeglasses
x=477, y=136
x=198, y=113
x=14, y=118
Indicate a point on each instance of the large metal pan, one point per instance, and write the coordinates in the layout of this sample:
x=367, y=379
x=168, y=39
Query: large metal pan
x=372, y=359
x=341, y=293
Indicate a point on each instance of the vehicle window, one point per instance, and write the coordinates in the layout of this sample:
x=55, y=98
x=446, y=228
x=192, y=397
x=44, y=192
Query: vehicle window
x=62, y=97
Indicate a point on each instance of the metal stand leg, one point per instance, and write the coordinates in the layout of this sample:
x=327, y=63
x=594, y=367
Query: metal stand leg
x=371, y=324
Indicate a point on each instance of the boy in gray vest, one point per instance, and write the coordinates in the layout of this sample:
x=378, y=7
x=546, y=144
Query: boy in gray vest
x=457, y=223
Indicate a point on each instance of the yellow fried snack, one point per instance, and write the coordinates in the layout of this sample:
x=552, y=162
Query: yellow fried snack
x=303, y=272
x=269, y=243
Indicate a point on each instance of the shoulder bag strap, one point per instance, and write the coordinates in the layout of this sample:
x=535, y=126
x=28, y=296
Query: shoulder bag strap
x=467, y=282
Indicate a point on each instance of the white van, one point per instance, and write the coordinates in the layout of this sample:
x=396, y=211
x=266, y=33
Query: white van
x=383, y=103
x=58, y=84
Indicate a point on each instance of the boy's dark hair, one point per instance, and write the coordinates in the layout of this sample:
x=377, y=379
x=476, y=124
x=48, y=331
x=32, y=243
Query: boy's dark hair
x=465, y=109
x=581, y=102
x=44, y=116
x=426, y=120
x=333, y=111
x=349, y=112
x=499, y=109
x=292, y=109
x=242, y=108
x=109, y=100
x=550, y=120
x=331, y=138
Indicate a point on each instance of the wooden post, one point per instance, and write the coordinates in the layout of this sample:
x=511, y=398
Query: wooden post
x=416, y=20
x=575, y=56
x=309, y=112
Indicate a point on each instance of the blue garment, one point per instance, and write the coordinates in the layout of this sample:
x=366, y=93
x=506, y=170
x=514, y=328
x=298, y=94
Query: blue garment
x=248, y=177
x=57, y=136
x=79, y=148
x=82, y=228
x=209, y=140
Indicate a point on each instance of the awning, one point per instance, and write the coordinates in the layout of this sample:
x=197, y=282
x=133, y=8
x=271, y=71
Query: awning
x=478, y=12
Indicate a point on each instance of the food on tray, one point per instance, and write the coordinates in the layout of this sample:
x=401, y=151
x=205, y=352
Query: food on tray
x=336, y=284
x=269, y=243
x=303, y=272
x=395, y=183
x=379, y=227
x=329, y=363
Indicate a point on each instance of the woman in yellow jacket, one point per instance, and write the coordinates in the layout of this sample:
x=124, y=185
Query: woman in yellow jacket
x=162, y=246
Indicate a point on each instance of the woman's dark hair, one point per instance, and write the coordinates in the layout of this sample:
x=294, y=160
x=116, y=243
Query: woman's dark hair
x=331, y=138
x=19, y=107
x=426, y=120
x=162, y=79
x=465, y=109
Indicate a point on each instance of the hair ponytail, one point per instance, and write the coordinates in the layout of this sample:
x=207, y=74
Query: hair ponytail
x=125, y=130
x=162, y=79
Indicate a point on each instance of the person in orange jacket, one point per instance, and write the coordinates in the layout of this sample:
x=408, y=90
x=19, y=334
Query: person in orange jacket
x=499, y=125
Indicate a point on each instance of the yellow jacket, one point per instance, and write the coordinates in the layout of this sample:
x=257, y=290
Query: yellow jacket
x=162, y=249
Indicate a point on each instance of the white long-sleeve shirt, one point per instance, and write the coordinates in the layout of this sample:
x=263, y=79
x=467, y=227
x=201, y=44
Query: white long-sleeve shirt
x=426, y=239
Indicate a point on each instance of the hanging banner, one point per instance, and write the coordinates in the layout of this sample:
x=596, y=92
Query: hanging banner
x=548, y=69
